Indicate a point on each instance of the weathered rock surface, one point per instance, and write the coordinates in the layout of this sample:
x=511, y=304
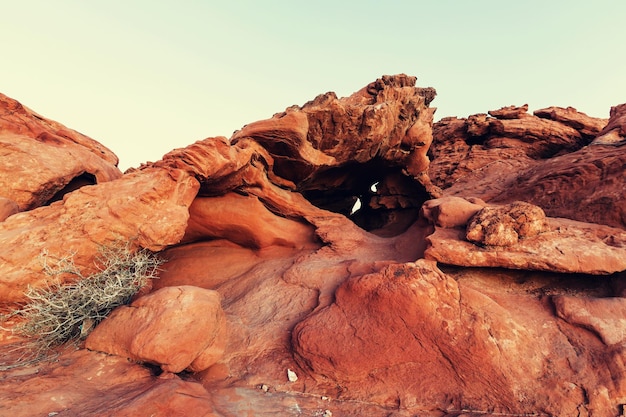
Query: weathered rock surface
x=244, y=220
x=508, y=137
x=84, y=383
x=176, y=328
x=568, y=246
x=497, y=160
x=149, y=209
x=506, y=225
x=334, y=150
x=451, y=211
x=586, y=185
x=289, y=280
x=430, y=333
x=389, y=117
x=603, y=316
x=42, y=159
x=589, y=127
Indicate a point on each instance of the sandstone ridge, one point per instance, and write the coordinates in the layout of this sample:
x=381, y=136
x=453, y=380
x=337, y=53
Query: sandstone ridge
x=345, y=257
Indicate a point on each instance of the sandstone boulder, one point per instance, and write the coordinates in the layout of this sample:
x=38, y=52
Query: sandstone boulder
x=451, y=211
x=423, y=334
x=589, y=127
x=504, y=226
x=176, y=328
x=510, y=112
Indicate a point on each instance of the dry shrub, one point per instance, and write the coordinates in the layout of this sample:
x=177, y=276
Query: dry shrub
x=59, y=313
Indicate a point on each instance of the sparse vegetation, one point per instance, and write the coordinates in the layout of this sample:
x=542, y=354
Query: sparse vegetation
x=59, y=313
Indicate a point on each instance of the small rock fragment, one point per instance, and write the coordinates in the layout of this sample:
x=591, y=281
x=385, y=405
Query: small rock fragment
x=291, y=375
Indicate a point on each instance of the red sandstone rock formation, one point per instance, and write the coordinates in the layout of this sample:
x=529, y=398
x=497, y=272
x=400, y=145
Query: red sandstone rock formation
x=42, y=160
x=276, y=298
x=551, y=159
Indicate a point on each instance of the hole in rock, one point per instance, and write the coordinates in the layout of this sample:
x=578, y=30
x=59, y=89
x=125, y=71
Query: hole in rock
x=75, y=183
x=356, y=206
x=375, y=196
x=155, y=370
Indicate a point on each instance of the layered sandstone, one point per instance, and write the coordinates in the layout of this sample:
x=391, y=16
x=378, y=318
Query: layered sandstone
x=439, y=296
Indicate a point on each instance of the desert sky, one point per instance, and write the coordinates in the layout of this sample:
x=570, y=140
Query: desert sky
x=144, y=77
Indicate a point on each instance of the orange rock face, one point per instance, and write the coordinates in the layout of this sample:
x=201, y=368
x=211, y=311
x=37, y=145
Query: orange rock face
x=148, y=209
x=95, y=384
x=164, y=328
x=423, y=334
x=614, y=133
x=345, y=257
x=450, y=212
x=7, y=208
x=43, y=160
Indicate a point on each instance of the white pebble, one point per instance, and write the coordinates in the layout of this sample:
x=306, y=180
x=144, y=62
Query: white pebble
x=291, y=375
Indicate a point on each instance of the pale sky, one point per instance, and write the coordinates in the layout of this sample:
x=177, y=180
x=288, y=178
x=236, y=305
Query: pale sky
x=144, y=77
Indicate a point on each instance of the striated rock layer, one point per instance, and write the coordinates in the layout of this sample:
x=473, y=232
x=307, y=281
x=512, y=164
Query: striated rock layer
x=341, y=258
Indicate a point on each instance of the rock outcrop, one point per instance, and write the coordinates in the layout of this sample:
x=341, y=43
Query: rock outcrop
x=345, y=257
x=614, y=133
x=586, y=185
x=565, y=246
x=424, y=334
x=149, y=210
x=555, y=159
x=42, y=160
x=450, y=212
x=85, y=383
